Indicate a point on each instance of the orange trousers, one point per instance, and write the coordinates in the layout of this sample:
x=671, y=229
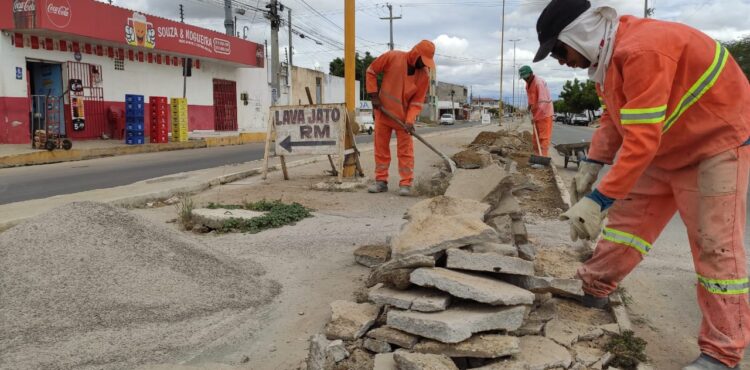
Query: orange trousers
x=711, y=198
x=383, y=130
x=544, y=128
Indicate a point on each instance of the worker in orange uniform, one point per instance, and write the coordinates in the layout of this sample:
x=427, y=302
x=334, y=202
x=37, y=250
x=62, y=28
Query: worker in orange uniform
x=540, y=106
x=405, y=82
x=677, y=120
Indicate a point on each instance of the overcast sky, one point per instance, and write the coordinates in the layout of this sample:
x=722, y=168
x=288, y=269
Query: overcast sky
x=467, y=33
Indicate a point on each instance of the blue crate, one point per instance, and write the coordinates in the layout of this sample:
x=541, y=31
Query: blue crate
x=135, y=127
x=133, y=98
x=135, y=119
x=135, y=141
x=134, y=134
x=134, y=109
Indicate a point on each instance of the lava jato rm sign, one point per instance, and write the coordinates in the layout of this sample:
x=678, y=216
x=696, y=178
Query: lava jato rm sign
x=309, y=129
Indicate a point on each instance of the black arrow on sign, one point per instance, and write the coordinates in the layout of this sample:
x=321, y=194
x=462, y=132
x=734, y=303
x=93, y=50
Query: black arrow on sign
x=287, y=143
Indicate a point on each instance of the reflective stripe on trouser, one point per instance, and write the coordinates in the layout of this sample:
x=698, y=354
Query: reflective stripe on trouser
x=405, y=151
x=711, y=198
x=544, y=127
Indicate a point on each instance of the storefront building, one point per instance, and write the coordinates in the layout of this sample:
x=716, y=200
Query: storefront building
x=88, y=55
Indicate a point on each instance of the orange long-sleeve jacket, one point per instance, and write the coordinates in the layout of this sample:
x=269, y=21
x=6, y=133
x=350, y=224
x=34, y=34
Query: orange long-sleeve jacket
x=673, y=97
x=539, y=98
x=400, y=93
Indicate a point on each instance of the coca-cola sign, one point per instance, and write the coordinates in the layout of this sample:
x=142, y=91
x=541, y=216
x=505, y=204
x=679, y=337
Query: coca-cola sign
x=22, y=6
x=59, y=13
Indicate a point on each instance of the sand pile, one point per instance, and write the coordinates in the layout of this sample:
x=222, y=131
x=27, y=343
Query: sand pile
x=88, y=269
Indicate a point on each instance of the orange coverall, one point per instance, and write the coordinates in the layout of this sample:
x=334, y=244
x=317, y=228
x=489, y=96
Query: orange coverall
x=403, y=95
x=542, y=112
x=677, y=108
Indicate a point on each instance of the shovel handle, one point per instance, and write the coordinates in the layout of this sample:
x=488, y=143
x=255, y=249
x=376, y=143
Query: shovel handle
x=405, y=127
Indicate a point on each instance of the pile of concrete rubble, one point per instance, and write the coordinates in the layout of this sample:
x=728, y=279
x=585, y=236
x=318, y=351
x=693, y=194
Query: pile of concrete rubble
x=457, y=287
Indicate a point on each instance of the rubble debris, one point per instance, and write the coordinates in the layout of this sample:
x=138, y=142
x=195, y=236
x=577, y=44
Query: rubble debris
x=486, y=138
x=458, y=322
x=413, y=261
x=423, y=300
x=520, y=235
x=359, y=359
x=509, y=364
x=507, y=205
x=572, y=288
x=587, y=355
x=471, y=286
x=398, y=278
x=541, y=353
x=350, y=320
x=545, y=312
x=472, y=159
x=419, y=361
x=622, y=318
x=372, y=255
x=490, y=262
x=497, y=248
x=530, y=327
x=393, y=336
x=526, y=251
x=479, y=184
x=323, y=353
x=376, y=346
x=478, y=346
x=452, y=223
x=503, y=225
x=567, y=333
x=385, y=361
x=610, y=328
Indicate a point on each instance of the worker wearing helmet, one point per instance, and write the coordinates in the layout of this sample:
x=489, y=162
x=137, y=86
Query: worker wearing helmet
x=406, y=79
x=540, y=105
x=675, y=130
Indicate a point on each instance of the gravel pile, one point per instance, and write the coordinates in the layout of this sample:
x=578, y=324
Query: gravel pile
x=92, y=268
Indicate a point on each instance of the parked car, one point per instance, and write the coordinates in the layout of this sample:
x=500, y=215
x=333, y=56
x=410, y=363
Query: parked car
x=447, y=119
x=559, y=117
x=366, y=124
x=579, y=120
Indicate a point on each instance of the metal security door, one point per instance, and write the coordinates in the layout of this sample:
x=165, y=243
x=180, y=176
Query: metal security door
x=225, y=105
x=91, y=93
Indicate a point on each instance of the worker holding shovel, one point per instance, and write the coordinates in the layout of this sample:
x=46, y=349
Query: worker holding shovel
x=676, y=130
x=406, y=79
x=540, y=106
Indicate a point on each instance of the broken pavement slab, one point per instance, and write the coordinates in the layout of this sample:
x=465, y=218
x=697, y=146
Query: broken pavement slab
x=507, y=206
x=393, y=336
x=398, y=278
x=478, y=346
x=419, y=361
x=567, y=333
x=350, y=320
x=376, y=346
x=423, y=300
x=385, y=361
x=216, y=218
x=572, y=288
x=459, y=322
x=372, y=255
x=479, y=184
x=540, y=353
x=490, y=262
x=323, y=353
x=498, y=248
x=472, y=286
x=451, y=222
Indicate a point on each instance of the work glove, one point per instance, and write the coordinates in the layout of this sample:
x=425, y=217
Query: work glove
x=410, y=128
x=584, y=180
x=375, y=99
x=585, y=219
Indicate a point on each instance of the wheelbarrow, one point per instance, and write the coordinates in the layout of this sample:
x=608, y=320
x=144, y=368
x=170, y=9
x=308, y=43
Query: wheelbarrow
x=573, y=152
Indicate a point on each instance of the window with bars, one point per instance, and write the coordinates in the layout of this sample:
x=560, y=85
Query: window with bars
x=119, y=64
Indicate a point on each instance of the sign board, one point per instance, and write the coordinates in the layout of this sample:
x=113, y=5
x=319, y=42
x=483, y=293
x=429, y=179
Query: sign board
x=19, y=73
x=486, y=119
x=308, y=129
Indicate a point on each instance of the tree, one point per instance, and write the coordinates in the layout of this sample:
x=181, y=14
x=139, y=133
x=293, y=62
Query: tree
x=740, y=50
x=580, y=96
x=337, y=68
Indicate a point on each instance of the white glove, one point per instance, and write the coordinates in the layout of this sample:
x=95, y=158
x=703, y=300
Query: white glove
x=586, y=218
x=584, y=180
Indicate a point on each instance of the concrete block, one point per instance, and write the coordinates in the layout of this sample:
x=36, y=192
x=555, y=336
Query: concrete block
x=419, y=361
x=622, y=318
x=372, y=255
x=490, y=262
x=540, y=353
x=459, y=322
x=376, y=346
x=526, y=251
x=350, y=320
x=385, y=361
x=471, y=286
x=215, y=218
x=323, y=353
x=441, y=223
x=478, y=346
x=479, y=184
x=497, y=248
x=424, y=300
x=393, y=336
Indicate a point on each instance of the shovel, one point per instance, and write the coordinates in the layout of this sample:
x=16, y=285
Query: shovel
x=538, y=159
x=448, y=162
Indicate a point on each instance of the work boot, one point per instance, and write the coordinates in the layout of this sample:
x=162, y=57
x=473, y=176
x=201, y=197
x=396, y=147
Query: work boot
x=595, y=302
x=538, y=166
x=706, y=362
x=378, y=187
x=404, y=191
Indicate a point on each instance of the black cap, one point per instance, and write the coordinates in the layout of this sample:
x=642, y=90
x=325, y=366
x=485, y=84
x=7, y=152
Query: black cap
x=554, y=18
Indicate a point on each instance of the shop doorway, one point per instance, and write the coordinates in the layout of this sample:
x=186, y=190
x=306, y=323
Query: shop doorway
x=225, y=105
x=46, y=97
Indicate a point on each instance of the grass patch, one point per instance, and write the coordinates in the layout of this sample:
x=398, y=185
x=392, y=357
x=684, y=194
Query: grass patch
x=185, y=207
x=628, y=350
x=278, y=214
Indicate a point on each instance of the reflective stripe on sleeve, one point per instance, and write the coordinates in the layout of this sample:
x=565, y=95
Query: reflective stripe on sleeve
x=630, y=240
x=700, y=87
x=725, y=287
x=632, y=116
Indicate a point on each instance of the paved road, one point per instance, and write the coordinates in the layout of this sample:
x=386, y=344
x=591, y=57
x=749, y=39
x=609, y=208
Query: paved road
x=36, y=182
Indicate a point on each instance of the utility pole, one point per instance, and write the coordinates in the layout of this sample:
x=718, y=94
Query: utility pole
x=273, y=16
x=514, y=74
x=182, y=13
x=390, y=18
x=228, y=22
x=645, y=9
x=502, y=58
x=291, y=52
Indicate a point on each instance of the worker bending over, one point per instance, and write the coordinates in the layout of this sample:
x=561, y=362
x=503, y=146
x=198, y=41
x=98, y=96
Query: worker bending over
x=540, y=106
x=678, y=118
x=406, y=79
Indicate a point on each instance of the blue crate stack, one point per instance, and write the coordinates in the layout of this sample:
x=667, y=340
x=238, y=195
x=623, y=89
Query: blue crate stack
x=134, y=119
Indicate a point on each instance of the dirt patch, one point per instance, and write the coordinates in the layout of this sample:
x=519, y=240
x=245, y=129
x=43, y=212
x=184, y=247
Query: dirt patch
x=569, y=310
x=542, y=199
x=487, y=138
x=559, y=263
x=471, y=159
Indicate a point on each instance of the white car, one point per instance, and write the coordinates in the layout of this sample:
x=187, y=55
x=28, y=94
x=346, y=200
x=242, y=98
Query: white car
x=366, y=124
x=447, y=119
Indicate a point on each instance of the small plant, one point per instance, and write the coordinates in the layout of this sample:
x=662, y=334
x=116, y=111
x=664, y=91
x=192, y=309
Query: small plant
x=185, y=208
x=628, y=350
x=277, y=214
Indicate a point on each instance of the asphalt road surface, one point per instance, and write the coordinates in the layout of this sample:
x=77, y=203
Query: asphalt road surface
x=36, y=182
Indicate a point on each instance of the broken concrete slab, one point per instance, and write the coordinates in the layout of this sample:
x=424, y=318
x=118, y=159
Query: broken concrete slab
x=414, y=261
x=567, y=333
x=419, y=361
x=610, y=328
x=376, y=346
x=451, y=223
x=472, y=286
x=507, y=364
x=348, y=185
x=587, y=355
x=572, y=288
x=385, y=361
x=393, y=336
x=530, y=328
x=497, y=248
x=503, y=225
x=520, y=234
x=459, y=322
x=323, y=353
x=479, y=184
x=478, y=346
x=490, y=262
x=372, y=255
x=216, y=218
x=540, y=353
x=622, y=318
x=507, y=205
x=350, y=320
x=472, y=159
x=423, y=300
x=398, y=278
x=359, y=359
x=545, y=312
x=526, y=251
